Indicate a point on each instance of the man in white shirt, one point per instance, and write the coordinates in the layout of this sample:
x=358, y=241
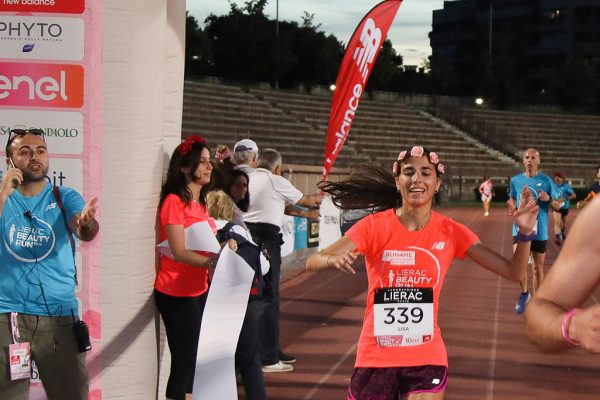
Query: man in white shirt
x=269, y=194
x=245, y=155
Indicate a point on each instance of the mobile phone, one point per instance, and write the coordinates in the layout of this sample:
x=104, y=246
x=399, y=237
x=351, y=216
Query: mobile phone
x=15, y=182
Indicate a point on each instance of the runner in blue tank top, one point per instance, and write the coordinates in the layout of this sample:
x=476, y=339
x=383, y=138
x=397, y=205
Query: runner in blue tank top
x=542, y=187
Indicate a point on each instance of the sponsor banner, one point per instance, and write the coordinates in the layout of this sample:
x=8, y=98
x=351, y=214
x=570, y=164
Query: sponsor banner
x=41, y=85
x=361, y=53
x=41, y=38
x=63, y=129
x=62, y=172
x=329, y=223
x=43, y=6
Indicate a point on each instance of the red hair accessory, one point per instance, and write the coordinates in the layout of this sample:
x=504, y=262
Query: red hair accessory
x=185, y=146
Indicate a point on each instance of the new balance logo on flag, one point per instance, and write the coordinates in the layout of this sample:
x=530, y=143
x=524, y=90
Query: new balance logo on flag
x=370, y=39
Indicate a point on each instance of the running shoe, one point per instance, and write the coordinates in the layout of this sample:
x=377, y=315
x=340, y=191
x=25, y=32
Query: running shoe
x=558, y=242
x=278, y=367
x=286, y=358
x=522, y=302
x=486, y=214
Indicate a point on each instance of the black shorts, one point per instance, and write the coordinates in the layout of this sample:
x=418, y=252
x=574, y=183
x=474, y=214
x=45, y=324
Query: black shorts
x=538, y=246
x=563, y=211
x=396, y=382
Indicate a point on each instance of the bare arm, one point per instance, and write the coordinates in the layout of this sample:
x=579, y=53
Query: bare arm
x=340, y=255
x=572, y=279
x=310, y=200
x=176, y=239
x=312, y=213
x=514, y=268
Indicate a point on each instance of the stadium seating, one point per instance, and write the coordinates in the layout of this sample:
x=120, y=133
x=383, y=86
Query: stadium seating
x=567, y=143
x=296, y=124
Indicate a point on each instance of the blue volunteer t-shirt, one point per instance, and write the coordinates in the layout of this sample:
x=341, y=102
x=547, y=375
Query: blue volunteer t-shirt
x=564, y=191
x=37, y=269
x=537, y=183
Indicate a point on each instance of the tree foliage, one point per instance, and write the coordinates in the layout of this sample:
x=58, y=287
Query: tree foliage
x=246, y=45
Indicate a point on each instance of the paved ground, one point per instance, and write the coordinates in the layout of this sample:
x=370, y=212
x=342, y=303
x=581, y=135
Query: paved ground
x=489, y=354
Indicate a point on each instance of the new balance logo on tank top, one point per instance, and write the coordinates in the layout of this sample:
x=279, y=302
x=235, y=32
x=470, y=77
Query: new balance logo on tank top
x=406, y=271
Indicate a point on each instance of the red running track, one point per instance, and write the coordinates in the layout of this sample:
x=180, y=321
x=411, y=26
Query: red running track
x=490, y=356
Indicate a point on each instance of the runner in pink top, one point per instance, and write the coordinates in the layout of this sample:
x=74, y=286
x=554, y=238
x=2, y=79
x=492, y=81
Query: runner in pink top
x=408, y=249
x=487, y=193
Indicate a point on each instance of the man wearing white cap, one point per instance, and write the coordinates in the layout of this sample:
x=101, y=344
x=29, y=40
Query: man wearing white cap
x=245, y=155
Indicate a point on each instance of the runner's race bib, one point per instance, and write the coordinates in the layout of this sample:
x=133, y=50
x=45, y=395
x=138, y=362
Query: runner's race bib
x=403, y=316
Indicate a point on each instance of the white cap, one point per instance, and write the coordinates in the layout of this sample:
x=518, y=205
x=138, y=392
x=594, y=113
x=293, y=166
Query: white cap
x=245, y=145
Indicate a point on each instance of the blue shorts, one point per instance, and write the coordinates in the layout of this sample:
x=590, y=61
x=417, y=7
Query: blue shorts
x=398, y=382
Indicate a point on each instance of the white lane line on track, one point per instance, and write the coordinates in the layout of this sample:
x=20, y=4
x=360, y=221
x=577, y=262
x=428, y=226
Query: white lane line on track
x=489, y=395
x=331, y=371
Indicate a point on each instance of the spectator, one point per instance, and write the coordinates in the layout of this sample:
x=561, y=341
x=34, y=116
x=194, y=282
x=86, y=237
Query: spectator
x=408, y=249
x=593, y=191
x=555, y=320
x=181, y=284
x=543, y=190
x=247, y=355
x=222, y=167
x=269, y=194
x=245, y=155
x=38, y=273
x=560, y=207
x=487, y=193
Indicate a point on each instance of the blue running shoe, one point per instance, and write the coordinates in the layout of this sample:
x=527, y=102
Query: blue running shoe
x=522, y=302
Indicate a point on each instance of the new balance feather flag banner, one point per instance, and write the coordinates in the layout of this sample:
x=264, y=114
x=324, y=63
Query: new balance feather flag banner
x=361, y=53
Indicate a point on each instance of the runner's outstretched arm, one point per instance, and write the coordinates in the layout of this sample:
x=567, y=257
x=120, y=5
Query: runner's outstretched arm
x=570, y=282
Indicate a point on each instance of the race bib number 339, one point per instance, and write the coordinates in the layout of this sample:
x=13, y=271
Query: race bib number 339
x=403, y=316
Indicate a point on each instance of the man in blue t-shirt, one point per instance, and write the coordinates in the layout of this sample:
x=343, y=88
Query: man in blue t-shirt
x=543, y=189
x=39, y=318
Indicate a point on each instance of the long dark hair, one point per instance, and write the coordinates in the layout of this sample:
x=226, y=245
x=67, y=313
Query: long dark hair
x=373, y=187
x=369, y=187
x=177, y=180
x=244, y=203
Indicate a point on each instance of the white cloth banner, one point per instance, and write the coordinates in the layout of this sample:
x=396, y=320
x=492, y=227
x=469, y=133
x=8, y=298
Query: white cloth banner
x=198, y=237
x=221, y=325
x=288, y=231
x=329, y=223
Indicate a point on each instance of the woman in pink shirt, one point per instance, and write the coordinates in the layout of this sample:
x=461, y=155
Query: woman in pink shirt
x=408, y=249
x=487, y=193
x=181, y=283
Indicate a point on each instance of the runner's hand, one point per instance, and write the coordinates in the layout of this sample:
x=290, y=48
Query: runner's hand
x=526, y=215
x=343, y=262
